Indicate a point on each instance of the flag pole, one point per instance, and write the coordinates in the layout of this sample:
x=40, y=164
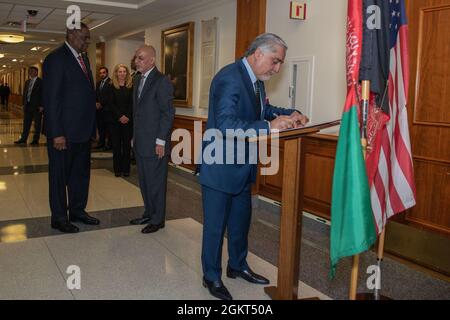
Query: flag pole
x=354, y=277
x=379, y=260
x=365, y=93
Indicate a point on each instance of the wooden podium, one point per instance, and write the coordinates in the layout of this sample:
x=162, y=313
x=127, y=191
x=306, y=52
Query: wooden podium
x=291, y=211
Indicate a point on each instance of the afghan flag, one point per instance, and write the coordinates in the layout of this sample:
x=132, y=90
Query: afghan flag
x=352, y=223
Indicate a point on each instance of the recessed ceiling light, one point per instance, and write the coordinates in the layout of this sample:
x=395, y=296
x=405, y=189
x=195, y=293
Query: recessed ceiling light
x=52, y=40
x=14, y=60
x=11, y=38
x=2, y=55
x=4, y=66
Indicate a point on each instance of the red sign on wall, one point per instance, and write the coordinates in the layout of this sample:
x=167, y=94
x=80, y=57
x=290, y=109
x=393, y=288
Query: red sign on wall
x=298, y=10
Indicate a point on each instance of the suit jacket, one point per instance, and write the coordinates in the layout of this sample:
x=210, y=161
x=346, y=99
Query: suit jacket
x=35, y=97
x=6, y=91
x=69, y=97
x=102, y=94
x=232, y=105
x=153, y=113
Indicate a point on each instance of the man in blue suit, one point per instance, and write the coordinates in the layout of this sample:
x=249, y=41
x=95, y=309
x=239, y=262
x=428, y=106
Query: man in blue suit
x=238, y=101
x=69, y=113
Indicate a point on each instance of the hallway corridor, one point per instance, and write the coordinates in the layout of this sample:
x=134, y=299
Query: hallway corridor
x=117, y=261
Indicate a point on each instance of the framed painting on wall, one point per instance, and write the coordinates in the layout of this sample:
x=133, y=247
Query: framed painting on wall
x=177, y=49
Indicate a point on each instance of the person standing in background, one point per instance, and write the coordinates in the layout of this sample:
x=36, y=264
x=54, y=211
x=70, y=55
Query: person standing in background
x=32, y=107
x=153, y=115
x=2, y=94
x=102, y=109
x=6, y=93
x=120, y=101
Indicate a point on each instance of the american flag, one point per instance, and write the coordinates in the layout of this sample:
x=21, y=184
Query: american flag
x=392, y=187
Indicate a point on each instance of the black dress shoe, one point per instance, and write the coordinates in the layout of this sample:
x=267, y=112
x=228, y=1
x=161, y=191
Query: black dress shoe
x=126, y=174
x=20, y=142
x=34, y=143
x=247, y=275
x=65, y=227
x=117, y=174
x=150, y=228
x=217, y=289
x=142, y=220
x=86, y=219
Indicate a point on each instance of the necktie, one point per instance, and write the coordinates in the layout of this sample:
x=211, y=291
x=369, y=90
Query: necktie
x=30, y=88
x=141, y=86
x=83, y=66
x=258, y=99
x=102, y=84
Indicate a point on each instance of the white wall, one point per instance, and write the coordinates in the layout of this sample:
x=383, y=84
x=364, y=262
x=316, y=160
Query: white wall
x=91, y=53
x=120, y=51
x=226, y=13
x=321, y=35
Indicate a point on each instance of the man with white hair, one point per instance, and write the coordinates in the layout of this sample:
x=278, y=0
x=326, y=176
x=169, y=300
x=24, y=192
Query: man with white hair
x=153, y=115
x=238, y=101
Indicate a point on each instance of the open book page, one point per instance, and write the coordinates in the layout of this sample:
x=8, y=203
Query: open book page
x=315, y=125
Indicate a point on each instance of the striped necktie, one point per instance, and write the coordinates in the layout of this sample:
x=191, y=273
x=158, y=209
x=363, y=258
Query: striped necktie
x=83, y=66
x=258, y=99
x=141, y=85
x=30, y=89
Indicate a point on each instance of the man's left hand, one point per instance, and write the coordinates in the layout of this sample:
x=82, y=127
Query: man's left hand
x=160, y=151
x=299, y=119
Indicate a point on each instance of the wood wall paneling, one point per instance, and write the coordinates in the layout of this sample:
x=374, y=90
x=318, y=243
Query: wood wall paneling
x=429, y=113
x=433, y=95
x=100, y=59
x=250, y=22
x=433, y=196
x=188, y=123
x=320, y=151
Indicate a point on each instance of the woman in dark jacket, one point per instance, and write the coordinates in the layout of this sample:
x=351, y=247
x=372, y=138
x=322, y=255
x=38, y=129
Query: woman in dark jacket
x=121, y=105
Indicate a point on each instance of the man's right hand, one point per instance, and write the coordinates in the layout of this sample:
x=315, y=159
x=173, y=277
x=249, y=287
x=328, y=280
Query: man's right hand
x=282, y=123
x=59, y=143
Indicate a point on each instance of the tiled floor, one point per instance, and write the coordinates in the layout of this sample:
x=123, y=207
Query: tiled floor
x=26, y=195
x=117, y=261
x=120, y=263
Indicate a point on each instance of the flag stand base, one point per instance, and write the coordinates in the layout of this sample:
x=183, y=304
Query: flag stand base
x=370, y=296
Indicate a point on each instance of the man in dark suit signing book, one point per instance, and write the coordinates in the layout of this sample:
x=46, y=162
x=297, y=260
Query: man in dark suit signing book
x=237, y=102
